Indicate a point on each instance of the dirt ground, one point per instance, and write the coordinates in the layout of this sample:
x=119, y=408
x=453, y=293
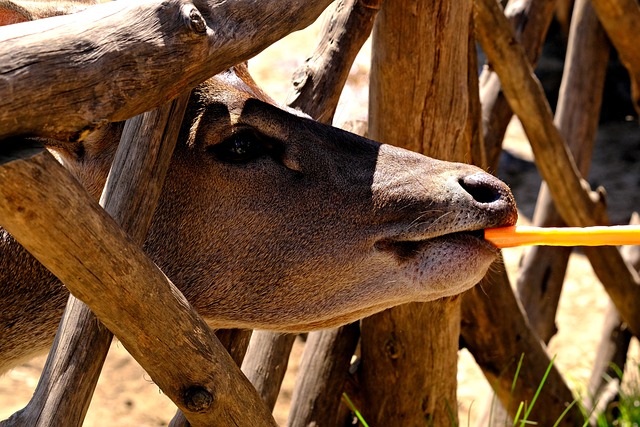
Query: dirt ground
x=126, y=396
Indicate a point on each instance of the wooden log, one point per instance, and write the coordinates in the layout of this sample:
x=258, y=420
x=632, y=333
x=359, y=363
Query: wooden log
x=117, y=54
x=474, y=129
x=621, y=19
x=494, y=311
x=101, y=266
x=525, y=95
x=491, y=310
x=266, y=363
x=66, y=385
x=611, y=357
x=543, y=268
x=326, y=71
x=577, y=204
x=130, y=196
x=612, y=351
x=419, y=79
x=530, y=20
x=562, y=13
x=323, y=373
x=236, y=342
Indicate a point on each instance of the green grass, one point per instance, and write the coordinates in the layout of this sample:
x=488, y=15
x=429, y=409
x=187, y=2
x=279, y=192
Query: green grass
x=625, y=412
x=353, y=409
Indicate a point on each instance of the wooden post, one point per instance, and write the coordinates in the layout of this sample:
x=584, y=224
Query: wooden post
x=130, y=196
x=612, y=350
x=491, y=310
x=101, y=266
x=418, y=100
x=543, y=268
x=578, y=205
x=621, y=18
x=266, y=363
x=530, y=20
x=323, y=373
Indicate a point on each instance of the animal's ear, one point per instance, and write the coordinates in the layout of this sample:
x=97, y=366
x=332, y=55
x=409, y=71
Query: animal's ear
x=11, y=13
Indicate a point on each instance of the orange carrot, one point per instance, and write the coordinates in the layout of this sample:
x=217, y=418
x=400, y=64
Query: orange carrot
x=508, y=237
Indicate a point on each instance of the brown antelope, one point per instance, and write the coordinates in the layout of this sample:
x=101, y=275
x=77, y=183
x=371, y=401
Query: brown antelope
x=271, y=220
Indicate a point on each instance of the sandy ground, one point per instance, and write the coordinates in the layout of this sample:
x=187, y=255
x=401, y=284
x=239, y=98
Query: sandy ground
x=126, y=396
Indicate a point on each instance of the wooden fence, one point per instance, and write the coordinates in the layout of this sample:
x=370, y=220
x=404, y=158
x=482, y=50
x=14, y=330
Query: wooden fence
x=408, y=353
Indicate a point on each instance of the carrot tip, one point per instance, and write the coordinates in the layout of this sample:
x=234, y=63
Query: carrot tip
x=506, y=237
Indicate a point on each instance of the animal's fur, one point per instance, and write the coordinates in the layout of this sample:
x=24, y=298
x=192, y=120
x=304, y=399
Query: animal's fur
x=321, y=228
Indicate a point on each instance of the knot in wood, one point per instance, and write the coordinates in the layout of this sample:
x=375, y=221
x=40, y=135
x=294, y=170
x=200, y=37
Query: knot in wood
x=197, y=22
x=197, y=399
x=393, y=348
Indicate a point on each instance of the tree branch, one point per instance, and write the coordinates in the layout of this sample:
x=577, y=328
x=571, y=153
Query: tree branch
x=621, y=19
x=101, y=266
x=118, y=54
x=575, y=202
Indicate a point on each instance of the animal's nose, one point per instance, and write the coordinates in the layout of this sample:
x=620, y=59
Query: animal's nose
x=489, y=192
x=484, y=188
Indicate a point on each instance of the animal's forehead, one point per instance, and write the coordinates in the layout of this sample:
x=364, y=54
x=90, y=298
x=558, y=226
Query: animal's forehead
x=232, y=89
x=237, y=85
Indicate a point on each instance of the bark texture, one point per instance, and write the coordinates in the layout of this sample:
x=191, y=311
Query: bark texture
x=118, y=52
x=113, y=276
x=418, y=100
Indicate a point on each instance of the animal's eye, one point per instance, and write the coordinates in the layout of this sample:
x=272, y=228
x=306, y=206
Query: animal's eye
x=241, y=147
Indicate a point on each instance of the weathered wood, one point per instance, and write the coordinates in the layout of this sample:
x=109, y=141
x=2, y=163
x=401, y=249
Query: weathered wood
x=403, y=41
x=543, y=268
x=611, y=357
x=266, y=363
x=530, y=20
x=491, y=310
x=474, y=128
x=179, y=420
x=323, y=371
x=326, y=71
x=419, y=61
x=577, y=204
x=100, y=265
x=621, y=19
x=525, y=95
x=131, y=193
x=117, y=54
x=67, y=384
x=236, y=342
x=604, y=384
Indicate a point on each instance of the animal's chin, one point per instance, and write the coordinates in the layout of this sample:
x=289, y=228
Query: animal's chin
x=442, y=266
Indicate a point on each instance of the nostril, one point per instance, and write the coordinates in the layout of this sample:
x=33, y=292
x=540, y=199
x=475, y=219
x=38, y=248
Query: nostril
x=484, y=188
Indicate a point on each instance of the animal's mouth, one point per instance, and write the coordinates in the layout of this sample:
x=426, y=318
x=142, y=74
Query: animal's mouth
x=408, y=248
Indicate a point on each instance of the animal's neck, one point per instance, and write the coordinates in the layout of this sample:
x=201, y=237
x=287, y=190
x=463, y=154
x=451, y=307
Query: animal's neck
x=36, y=299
